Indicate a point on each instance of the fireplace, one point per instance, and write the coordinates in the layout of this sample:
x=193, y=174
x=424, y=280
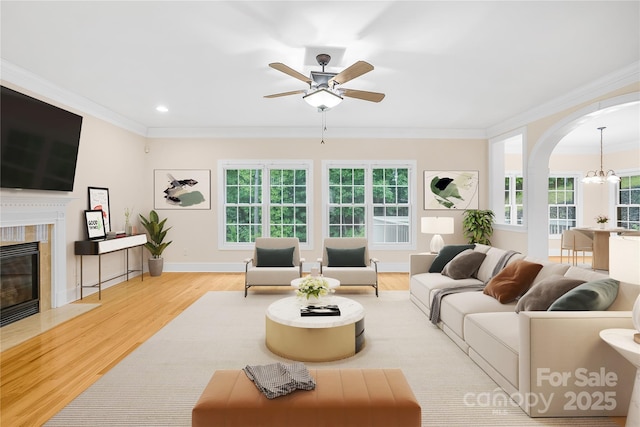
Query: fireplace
x=19, y=282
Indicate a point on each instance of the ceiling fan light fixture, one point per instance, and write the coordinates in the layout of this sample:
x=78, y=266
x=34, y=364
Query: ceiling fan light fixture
x=322, y=99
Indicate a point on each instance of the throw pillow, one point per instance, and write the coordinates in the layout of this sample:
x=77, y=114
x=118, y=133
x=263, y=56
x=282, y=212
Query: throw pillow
x=591, y=296
x=544, y=293
x=512, y=281
x=464, y=265
x=338, y=257
x=445, y=255
x=274, y=257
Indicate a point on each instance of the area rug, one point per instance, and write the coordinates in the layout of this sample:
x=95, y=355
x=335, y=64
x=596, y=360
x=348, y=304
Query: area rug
x=159, y=383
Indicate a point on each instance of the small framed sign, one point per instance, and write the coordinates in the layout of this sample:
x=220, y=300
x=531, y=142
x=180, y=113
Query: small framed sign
x=95, y=224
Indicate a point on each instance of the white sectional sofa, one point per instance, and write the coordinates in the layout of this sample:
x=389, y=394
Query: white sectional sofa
x=551, y=363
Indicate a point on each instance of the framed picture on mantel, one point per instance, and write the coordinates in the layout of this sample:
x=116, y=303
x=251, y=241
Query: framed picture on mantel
x=99, y=201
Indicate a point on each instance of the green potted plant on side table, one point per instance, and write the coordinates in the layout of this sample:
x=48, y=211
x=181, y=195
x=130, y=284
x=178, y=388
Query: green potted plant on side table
x=156, y=244
x=478, y=225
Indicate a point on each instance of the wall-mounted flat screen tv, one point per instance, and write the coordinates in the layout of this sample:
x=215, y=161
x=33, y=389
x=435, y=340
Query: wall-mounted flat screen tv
x=39, y=143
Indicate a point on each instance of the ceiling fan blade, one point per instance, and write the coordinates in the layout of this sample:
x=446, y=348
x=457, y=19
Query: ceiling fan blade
x=277, y=95
x=356, y=70
x=290, y=71
x=363, y=94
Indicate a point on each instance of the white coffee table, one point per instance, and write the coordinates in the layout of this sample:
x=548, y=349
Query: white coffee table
x=314, y=338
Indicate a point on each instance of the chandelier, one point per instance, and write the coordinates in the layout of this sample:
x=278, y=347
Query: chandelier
x=600, y=176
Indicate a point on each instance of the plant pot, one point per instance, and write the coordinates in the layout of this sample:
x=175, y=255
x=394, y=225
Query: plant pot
x=155, y=266
x=602, y=225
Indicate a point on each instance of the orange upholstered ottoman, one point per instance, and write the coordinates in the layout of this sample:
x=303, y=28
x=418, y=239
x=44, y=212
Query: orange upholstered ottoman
x=342, y=397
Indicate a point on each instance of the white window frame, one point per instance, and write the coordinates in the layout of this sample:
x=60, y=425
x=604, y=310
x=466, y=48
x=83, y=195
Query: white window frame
x=369, y=165
x=265, y=165
x=616, y=194
x=577, y=199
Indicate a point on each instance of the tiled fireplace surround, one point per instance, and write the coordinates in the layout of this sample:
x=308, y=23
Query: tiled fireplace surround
x=24, y=211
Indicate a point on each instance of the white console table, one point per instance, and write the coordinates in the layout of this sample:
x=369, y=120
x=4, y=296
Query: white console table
x=100, y=247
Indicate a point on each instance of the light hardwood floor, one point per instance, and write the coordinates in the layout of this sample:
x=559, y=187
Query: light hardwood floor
x=42, y=375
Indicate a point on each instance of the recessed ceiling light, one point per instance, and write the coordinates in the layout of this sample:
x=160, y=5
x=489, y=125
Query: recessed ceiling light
x=162, y=108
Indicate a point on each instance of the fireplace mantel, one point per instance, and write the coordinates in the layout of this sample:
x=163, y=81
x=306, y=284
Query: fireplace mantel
x=16, y=211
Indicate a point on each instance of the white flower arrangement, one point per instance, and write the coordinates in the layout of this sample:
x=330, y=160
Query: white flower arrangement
x=313, y=286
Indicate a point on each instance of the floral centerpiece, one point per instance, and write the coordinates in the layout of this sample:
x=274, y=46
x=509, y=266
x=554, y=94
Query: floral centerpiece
x=602, y=220
x=313, y=287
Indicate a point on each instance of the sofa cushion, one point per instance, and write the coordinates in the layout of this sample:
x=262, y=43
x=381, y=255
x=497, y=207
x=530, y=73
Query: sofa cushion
x=494, y=256
x=496, y=338
x=445, y=255
x=464, y=265
x=512, y=281
x=591, y=296
x=541, y=295
x=274, y=257
x=347, y=257
x=455, y=307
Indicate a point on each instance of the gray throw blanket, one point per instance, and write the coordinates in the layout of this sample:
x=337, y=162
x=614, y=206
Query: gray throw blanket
x=279, y=379
x=434, y=314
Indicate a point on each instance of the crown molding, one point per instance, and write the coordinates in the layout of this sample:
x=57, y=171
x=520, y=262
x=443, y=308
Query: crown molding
x=314, y=133
x=600, y=87
x=27, y=80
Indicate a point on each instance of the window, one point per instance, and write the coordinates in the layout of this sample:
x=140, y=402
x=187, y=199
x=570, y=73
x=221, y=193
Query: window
x=373, y=201
x=562, y=203
x=628, y=203
x=513, y=196
x=249, y=214
x=506, y=184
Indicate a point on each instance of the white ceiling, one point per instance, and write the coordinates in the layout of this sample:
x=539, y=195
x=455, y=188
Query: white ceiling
x=444, y=66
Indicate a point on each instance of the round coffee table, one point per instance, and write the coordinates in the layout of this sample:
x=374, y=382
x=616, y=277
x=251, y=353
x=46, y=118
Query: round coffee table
x=314, y=338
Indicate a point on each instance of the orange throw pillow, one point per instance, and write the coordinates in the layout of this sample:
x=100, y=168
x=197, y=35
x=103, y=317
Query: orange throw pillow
x=512, y=281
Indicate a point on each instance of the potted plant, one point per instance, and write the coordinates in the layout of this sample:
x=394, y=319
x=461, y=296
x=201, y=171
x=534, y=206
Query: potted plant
x=156, y=244
x=602, y=220
x=478, y=225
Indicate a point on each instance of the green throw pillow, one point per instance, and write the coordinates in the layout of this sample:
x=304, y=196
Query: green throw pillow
x=274, y=257
x=445, y=255
x=345, y=257
x=591, y=296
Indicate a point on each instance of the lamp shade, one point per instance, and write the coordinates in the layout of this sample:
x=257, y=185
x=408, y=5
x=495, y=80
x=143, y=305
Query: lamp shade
x=624, y=253
x=436, y=226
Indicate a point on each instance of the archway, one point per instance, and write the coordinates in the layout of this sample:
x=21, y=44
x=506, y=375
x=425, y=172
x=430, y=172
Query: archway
x=538, y=170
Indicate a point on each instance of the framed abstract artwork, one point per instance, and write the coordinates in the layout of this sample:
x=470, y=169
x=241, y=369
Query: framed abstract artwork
x=182, y=189
x=450, y=190
x=99, y=200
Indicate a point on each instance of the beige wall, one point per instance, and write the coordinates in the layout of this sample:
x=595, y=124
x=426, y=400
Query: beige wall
x=108, y=157
x=540, y=135
x=196, y=232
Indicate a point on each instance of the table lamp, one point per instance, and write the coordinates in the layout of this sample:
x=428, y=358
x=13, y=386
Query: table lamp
x=436, y=226
x=624, y=253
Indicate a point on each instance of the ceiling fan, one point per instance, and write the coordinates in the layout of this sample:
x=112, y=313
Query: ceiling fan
x=325, y=91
